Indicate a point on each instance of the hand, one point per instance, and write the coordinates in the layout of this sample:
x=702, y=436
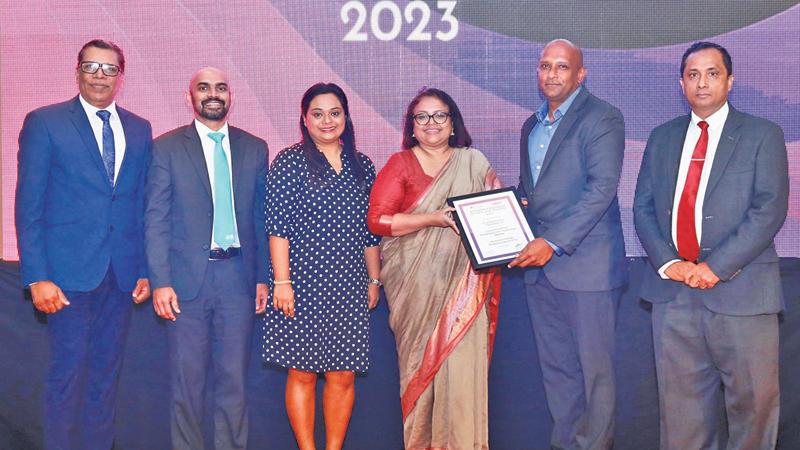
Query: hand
x=165, y=302
x=678, y=270
x=536, y=254
x=262, y=292
x=283, y=299
x=443, y=218
x=701, y=277
x=47, y=297
x=373, y=295
x=142, y=290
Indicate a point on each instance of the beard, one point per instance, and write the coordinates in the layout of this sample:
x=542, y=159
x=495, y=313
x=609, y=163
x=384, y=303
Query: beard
x=217, y=114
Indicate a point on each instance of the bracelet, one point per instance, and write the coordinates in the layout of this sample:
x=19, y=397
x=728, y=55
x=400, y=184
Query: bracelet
x=374, y=281
x=276, y=282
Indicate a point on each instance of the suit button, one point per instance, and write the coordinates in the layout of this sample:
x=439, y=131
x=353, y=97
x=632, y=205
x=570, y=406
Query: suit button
x=113, y=197
x=205, y=246
x=210, y=214
x=111, y=228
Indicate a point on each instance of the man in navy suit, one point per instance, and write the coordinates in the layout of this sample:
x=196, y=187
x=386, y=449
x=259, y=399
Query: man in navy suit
x=79, y=209
x=712, y=193
x=570, y=164
x=208, y=254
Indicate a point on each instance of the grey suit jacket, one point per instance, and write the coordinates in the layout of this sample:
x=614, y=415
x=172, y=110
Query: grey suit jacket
x=574, y=204
x=179, y=209
x=745, y=204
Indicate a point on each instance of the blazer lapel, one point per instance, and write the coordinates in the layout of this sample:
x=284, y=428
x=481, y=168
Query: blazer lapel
x=237, y=159
x=674, y=151
x=81, y=122
x=725, y=148
x=564, y=127
x=525, y=160
x=194, y=150
x=130, y=142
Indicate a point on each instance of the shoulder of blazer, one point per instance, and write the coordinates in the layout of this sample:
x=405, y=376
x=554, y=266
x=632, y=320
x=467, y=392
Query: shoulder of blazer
x=678, y=124
x=587, y=102
x=57, y=111
x=132, y=117
x=238, y=133
x=175, y=133
x=738, y=119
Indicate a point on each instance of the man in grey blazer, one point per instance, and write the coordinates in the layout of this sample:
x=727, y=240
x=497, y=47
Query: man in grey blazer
x=207, y=254
x=571, y=153
x=712, y=193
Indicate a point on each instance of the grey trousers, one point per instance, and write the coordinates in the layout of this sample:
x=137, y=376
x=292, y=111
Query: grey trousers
x=697, y=351
x=215, y=327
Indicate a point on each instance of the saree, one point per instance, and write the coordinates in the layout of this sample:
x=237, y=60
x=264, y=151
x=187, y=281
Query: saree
x=443, y=315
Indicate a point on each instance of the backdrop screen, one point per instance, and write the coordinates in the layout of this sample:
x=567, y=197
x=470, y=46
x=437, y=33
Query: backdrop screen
x=382, y=52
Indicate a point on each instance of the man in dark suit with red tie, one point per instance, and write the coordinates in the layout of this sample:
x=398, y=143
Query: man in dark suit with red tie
x=79, y=219
x=712, y=193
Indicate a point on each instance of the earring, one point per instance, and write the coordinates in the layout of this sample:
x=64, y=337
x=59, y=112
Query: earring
x=453, y=133
x=412, y=135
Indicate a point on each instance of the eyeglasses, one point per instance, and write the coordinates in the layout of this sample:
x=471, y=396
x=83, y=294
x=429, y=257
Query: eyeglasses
x=110, y=70
x=424, y=118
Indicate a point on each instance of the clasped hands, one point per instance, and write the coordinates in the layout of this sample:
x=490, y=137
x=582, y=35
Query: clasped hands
x=693, y=275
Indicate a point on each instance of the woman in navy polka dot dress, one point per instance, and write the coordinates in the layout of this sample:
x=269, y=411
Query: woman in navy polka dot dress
x=325, y=262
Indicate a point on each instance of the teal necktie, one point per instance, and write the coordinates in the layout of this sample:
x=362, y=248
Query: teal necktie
x=224, y=232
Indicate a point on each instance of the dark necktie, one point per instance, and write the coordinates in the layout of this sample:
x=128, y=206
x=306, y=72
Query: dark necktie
x=688, y=247
x=108, y=145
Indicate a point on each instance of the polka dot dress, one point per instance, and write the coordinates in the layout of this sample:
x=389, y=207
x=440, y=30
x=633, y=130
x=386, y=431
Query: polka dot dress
x=325, y=224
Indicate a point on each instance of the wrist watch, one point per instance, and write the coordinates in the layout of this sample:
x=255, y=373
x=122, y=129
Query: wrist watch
x=374, y=281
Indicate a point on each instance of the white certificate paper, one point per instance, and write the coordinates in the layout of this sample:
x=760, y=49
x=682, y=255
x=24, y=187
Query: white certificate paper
x=493, y=227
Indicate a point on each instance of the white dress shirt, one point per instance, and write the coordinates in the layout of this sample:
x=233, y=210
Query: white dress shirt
x=116, y=127
x=715, y=122
x=208, y=152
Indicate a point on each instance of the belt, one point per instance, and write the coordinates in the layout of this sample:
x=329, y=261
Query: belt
x=218, y=253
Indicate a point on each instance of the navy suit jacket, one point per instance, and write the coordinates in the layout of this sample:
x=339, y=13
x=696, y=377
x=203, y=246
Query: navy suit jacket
x=745, y=204
x=71, y=224
x=574, y=204
x=179, y=212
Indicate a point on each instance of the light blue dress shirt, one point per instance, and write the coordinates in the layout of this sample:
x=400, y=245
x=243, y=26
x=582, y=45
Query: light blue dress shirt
x=542, y=133
x=540, y=137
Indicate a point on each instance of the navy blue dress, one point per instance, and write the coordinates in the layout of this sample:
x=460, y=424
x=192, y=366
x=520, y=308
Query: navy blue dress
x=326, y=225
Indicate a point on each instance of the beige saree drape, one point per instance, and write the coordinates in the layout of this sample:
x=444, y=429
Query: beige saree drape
x=443, y=315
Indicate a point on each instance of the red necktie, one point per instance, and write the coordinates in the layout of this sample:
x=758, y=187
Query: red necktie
x=688, y=247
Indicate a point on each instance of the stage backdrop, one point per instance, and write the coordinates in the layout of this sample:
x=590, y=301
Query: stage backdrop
x=382, y=52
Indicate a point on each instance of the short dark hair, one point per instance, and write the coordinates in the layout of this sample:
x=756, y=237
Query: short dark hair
x=704, y=45
x=315, y=159
x=105, y=45
x=460, y=137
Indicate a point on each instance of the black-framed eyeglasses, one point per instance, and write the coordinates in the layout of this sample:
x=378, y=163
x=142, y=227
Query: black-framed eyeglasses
x=424, y=118
x=110, y=70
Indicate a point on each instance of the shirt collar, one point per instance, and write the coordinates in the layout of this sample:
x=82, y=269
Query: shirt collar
x=203, y=130
x=541, y=114
x=91, y=110
x=715, y=121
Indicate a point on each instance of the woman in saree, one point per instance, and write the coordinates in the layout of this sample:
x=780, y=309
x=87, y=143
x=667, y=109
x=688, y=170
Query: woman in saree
x=442, y=312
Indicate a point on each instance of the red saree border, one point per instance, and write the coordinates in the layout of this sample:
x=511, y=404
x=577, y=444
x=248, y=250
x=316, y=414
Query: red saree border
x=454, y=322
x=460, y=311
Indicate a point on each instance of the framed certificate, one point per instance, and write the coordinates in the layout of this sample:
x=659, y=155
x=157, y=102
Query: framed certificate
x=492, y=225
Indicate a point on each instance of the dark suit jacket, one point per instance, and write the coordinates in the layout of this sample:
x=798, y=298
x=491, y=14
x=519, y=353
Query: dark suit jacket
x=180, y=210
x=745, y=204
x=71, y=224
x=574, y=204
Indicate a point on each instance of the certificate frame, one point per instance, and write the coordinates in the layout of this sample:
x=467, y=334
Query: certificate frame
x=471, y=214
